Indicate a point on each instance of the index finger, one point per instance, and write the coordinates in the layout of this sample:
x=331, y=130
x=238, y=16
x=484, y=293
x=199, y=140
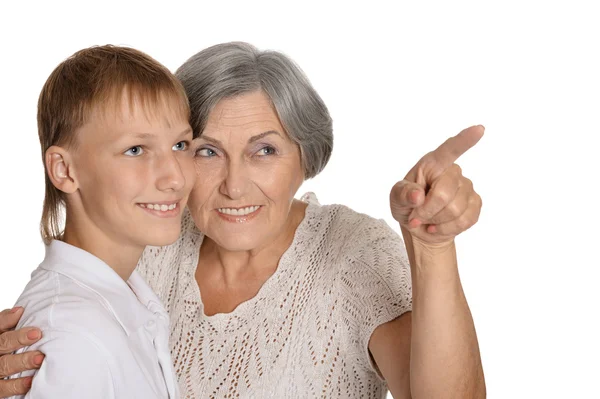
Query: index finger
x=451, y=149
x=9, y=318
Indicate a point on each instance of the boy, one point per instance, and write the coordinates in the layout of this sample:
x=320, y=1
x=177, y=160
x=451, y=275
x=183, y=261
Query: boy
x=113, y=126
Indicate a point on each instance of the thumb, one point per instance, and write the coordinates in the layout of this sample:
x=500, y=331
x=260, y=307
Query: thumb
x=404, y=197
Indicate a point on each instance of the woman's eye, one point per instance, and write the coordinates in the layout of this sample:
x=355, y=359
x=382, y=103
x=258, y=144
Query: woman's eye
x=134, y=151
x=268, y=150
x=181, y=146
x=205, y=152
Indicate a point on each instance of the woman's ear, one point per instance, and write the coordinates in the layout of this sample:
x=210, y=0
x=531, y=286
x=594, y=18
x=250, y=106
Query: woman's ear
x=60, y=169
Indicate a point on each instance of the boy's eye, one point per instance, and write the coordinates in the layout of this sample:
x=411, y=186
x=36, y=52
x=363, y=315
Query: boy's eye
x=181, y=146
x=134, y=151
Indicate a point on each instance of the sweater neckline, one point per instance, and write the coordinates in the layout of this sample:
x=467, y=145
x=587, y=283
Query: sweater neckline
x=267, y=290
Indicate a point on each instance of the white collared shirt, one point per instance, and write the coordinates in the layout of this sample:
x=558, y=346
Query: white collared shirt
x=102, y=337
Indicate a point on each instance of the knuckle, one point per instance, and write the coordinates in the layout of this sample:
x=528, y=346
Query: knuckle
x=454, y=209
x=428, y=161
x=15, y=387
x=4, y=339
x=467, y=182
x=441, y=197
x=404, y=190
x=395, y=188
x=397, y=192
x=4, y=372
x=428, y=158
x=476, y=215
x=21, y=337
x=474, y=200
x=25, y=362
x=471, y=223
x=7, y=322
x=463, y=223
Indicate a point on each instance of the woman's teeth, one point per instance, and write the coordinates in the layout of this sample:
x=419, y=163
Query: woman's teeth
x=239, y=212
x=157, y=207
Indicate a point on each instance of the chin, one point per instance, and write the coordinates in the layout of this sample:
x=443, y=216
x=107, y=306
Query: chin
x=237, y=244
x=159, y=238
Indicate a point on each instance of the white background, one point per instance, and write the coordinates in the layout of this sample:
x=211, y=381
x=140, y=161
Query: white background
x=398, y=81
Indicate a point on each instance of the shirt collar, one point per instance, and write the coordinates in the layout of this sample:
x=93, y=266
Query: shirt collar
x=133, y=302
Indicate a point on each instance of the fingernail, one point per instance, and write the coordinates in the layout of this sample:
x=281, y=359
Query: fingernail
x=15, y=309
x=413, y=195
x=38, y=359
x=33, y=334
x=431, y=229
x=27, y=382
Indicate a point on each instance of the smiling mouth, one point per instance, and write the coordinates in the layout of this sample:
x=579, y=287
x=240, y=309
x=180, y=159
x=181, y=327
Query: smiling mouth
x=162, y=209
x=245, y=211
x=239, y=215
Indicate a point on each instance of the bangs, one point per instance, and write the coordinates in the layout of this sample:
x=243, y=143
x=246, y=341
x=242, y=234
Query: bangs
x=156, y=103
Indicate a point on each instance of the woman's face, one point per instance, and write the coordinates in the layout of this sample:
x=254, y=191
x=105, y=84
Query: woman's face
x=248, y=173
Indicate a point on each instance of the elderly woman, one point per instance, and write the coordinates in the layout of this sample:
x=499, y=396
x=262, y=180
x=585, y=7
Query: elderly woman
x=274, y=297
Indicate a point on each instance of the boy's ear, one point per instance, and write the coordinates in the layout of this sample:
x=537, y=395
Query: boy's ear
x=60, y=169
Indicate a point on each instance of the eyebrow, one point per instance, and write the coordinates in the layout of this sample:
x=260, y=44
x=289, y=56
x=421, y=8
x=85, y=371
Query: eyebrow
x=260, y=136
x=186, y=132
x=250, y=140
x=144, y=136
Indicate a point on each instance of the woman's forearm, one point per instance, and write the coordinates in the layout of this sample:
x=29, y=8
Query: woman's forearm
x=445, y=360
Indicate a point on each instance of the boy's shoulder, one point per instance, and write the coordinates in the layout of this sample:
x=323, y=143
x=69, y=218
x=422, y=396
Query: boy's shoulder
x=52, y=301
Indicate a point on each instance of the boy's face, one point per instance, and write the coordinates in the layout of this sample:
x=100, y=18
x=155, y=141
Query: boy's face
x=135, y=170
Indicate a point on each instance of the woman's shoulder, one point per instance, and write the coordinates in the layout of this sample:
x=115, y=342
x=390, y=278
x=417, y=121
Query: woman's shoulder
x=342, y=225
x=365, y=259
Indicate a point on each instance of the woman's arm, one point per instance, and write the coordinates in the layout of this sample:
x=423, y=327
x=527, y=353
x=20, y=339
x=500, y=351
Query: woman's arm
x=10, y=341
x=76, y=366
x=433, y=352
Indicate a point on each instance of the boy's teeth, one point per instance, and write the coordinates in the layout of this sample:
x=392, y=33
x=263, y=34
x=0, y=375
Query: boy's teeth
x=157, y=207
x=239, y=212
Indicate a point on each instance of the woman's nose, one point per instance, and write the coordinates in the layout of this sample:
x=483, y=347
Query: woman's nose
x=235, y=183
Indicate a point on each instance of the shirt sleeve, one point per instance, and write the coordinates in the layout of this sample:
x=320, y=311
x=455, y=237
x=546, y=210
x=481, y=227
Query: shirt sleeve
x=75, y=366
x=377, y=283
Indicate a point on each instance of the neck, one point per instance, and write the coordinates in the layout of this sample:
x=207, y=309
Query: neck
x=258, y=262
x=121, y=257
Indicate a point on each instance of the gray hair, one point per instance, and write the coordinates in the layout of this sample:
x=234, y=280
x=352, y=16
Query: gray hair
x=230, y=69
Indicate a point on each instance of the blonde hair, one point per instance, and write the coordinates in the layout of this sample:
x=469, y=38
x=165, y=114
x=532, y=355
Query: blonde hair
x=91, y=80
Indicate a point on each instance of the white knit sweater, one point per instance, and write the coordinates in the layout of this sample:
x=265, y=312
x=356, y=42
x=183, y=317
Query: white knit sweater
x=306, y=333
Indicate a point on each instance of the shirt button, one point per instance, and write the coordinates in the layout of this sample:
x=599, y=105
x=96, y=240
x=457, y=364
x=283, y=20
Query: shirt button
x=150, y=324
